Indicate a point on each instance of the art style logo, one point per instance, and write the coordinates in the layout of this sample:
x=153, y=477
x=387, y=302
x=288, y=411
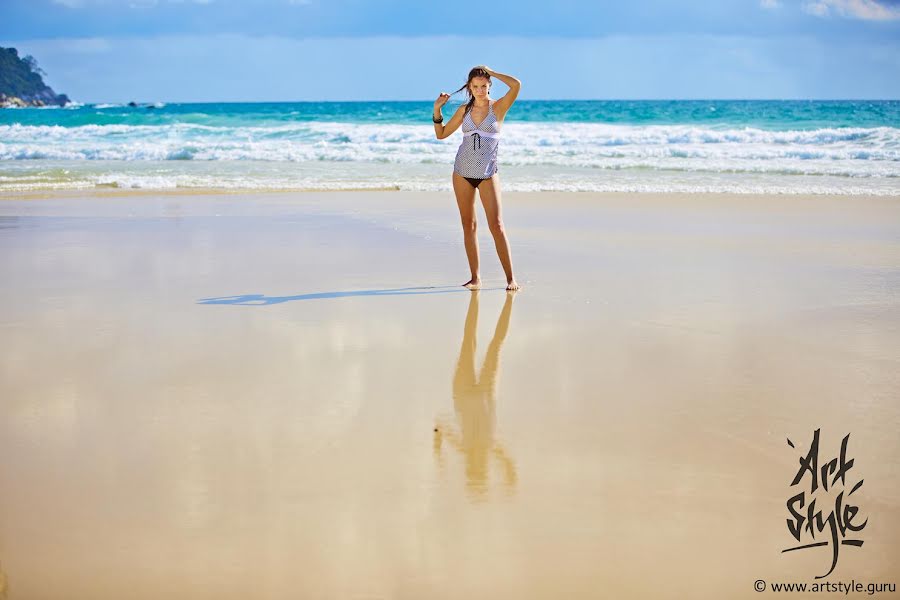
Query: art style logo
x=822, y=483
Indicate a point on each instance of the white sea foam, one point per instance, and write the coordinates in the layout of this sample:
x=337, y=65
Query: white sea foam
x=325, y=175
x=593, y=157
x=855, y=152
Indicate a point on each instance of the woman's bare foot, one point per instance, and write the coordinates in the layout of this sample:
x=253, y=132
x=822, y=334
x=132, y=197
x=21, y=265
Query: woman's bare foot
x=473, y=284
x=512, y=285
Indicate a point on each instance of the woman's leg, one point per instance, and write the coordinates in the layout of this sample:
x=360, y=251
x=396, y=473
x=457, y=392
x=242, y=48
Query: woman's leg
x=490, y=198
x=465, y=200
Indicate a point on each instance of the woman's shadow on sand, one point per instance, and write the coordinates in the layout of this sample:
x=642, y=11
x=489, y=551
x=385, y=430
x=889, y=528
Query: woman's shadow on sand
x=263, y=300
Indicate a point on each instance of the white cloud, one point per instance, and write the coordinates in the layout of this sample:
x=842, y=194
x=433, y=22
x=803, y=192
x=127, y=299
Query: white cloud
x=769, y=4
x=869, y=10
x=817, y=8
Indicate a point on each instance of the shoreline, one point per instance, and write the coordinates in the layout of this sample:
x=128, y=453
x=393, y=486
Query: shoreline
x=110, y=192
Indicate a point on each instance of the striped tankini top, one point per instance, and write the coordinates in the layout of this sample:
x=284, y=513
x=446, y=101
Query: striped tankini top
x=477, y=154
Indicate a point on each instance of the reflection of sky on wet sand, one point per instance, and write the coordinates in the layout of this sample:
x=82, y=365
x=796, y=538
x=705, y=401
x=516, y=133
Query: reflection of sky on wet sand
x=151, y=446
x=474, y=401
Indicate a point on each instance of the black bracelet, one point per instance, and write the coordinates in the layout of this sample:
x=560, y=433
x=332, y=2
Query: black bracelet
x=436, y=121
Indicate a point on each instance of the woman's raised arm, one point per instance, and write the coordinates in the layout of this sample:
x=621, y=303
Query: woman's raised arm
x=440, y=130
x=503, y=104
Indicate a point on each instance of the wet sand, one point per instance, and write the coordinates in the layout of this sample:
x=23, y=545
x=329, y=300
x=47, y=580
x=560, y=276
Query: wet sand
x=288, y=396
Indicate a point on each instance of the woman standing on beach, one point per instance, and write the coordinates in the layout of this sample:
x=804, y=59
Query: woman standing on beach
x=476, y=162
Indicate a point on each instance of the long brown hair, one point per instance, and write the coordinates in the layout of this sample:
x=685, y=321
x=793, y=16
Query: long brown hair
x=475, y=72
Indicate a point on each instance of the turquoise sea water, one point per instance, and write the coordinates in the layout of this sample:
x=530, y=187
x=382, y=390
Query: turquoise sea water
x=714, y=145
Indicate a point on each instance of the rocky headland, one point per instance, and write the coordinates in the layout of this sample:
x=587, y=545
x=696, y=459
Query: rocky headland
x=22, y=84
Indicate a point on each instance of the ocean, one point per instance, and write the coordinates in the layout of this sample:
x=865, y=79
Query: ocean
x=753, y=146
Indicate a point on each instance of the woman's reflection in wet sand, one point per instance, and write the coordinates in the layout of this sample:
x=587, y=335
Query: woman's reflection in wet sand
x=474, y=400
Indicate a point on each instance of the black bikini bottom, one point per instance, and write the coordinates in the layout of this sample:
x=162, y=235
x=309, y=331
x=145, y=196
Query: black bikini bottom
x=474, y=182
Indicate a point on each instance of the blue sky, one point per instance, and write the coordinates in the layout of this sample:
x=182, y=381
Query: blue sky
x=271, y=50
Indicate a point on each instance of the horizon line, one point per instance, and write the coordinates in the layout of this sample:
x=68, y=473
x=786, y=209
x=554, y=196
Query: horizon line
x=787, y=99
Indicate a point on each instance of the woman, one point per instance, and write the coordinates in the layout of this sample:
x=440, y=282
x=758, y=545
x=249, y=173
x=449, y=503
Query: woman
x=476, y=162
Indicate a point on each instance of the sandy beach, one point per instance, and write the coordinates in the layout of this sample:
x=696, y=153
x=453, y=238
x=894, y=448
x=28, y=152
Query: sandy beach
x=287, y=395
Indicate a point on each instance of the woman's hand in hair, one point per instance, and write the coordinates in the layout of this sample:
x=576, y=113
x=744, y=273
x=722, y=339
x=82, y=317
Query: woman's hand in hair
x=441, y=100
